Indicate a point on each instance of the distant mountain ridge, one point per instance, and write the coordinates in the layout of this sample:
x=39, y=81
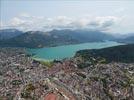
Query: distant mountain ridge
x=36, y=39
x=129, y=39
x=9, y=33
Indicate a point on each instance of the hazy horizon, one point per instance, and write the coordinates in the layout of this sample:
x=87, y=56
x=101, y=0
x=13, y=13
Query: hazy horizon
x=108, y=16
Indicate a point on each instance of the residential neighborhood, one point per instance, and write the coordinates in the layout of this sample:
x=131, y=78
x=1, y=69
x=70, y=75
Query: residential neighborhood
x=23, y=78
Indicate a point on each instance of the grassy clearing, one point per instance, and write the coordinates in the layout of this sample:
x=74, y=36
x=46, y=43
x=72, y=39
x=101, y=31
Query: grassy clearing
x=47, y=63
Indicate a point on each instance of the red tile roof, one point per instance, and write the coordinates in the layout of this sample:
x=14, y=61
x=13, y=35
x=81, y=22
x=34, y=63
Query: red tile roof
x=50, y=96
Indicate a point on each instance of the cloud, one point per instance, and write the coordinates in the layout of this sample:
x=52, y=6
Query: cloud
x=96, y=23
x=27, y=22
x=105, y=23
x=17, y=21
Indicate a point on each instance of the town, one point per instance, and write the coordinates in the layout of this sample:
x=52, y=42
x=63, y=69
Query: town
x=23, y=78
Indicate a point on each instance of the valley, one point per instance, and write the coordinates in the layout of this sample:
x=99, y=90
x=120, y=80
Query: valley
x=40, y=39
x=66, y=50
x=65, y=65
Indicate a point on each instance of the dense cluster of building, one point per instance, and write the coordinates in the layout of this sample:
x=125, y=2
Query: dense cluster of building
x=22, y=78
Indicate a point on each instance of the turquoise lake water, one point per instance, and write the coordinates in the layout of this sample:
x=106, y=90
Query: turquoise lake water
x=67, y=51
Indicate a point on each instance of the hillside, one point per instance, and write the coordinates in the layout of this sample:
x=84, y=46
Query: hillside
x=122, y=53
x=34, y=39
x=9, y=33
x=129, y=39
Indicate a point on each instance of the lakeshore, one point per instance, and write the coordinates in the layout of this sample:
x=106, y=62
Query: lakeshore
x=67, y=51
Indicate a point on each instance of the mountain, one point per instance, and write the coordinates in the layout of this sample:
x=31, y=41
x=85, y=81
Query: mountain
x=83, y=35
x=9, y=33
x=129, y=39
x=34, y=39
x=122, y=53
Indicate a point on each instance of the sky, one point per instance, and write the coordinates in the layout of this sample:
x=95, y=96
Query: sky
x=113, y=16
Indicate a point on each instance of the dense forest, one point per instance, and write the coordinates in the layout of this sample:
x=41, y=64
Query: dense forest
x=122, y=53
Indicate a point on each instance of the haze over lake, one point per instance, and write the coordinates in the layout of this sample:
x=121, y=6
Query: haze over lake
x=67, y=51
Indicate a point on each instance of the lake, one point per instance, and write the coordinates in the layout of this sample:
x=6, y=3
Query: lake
x=67, y=51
